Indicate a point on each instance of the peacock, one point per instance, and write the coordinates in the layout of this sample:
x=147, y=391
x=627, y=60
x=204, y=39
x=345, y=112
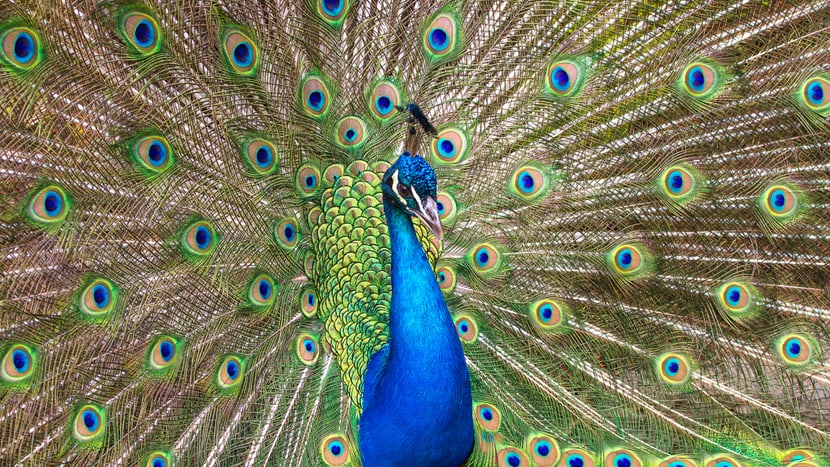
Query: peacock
x=568, y=233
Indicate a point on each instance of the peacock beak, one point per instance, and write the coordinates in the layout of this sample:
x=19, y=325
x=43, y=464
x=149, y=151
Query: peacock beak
x=428, y=213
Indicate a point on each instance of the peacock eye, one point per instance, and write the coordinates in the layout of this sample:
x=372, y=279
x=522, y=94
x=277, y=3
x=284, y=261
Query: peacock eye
x=405, y=191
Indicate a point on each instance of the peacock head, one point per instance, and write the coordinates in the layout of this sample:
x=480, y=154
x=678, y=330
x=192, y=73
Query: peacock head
x=410, y=186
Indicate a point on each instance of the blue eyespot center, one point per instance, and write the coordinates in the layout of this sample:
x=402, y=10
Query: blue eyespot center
x=625, y=258
x=463, y=327
x=482, y=257
x=526, y=182
x=310, y=299
x=815, y=93
x=90, y=419
x=333, y=7
x=156, y=153
x=264, y=289
x=52, y=203
x=677, y=464
x=778, y=200
x=310, y=181
x=100, y=295
x=793, y=348
x=675, y=182
x=335, y=448
x=576, y=460
x=733, y=295
x=166, y=350
x=288, y=231
x=622, y=460
x=243, y=54
x=446, y=147
x=438, y=39
x=724, y=464
x=144, y=33
x=384, y=104
x=202, y=237
x=20, y=360
x=543, y=448
x=672, y=366
x=159, y=463
x=561, y=79
x=442, y=277
x=309, y=345
x=263, y=156
x=487, y=414
x=514, y=460
x=24, y=47
x=546, y=313
x=696, y=79
x=315, y=100
x=232, y=369
x=350, y=135
x=440, y=206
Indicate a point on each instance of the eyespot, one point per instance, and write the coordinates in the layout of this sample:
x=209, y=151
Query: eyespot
x=307, y=180
x=722, y=461
x=795, y=455
x=141, y=32
x=543, y=449
x=21, y=48
x=351, y=132
x=673, y=368
x=735, y=298
x=485, y=258
x=229, y=373
x=512, y=457
x=576, y=458
x=467, y=328
x=487, y=416
x=260, y=156
x=450, y=146
x=622, y=458
x=547, y=314
x=528, y=183
x=152, y=155
x=240, y=51
x=333, y=11
x=335, y=450
x=308, y=301
x=815, y=94
x=701, y=80
x=383, y=99
x=446, y=278
x=629, y=260
x=198, y=239
x=679, y=183
x=780, y=203
x=159, y=459
x=89, y=423
x=261, y=291
x=795, y=349
x=286, y=233
x=307, y=349
x=677, y=461
x=565, y=78
x=48, y=206
x=447, y=207
x=333, y=173
x=442, y=36
x=98, y=298
x=315, y=96
x=19, y=364
x=163, y=352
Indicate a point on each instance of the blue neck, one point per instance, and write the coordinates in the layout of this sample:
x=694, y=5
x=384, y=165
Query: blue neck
x=417, y=404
